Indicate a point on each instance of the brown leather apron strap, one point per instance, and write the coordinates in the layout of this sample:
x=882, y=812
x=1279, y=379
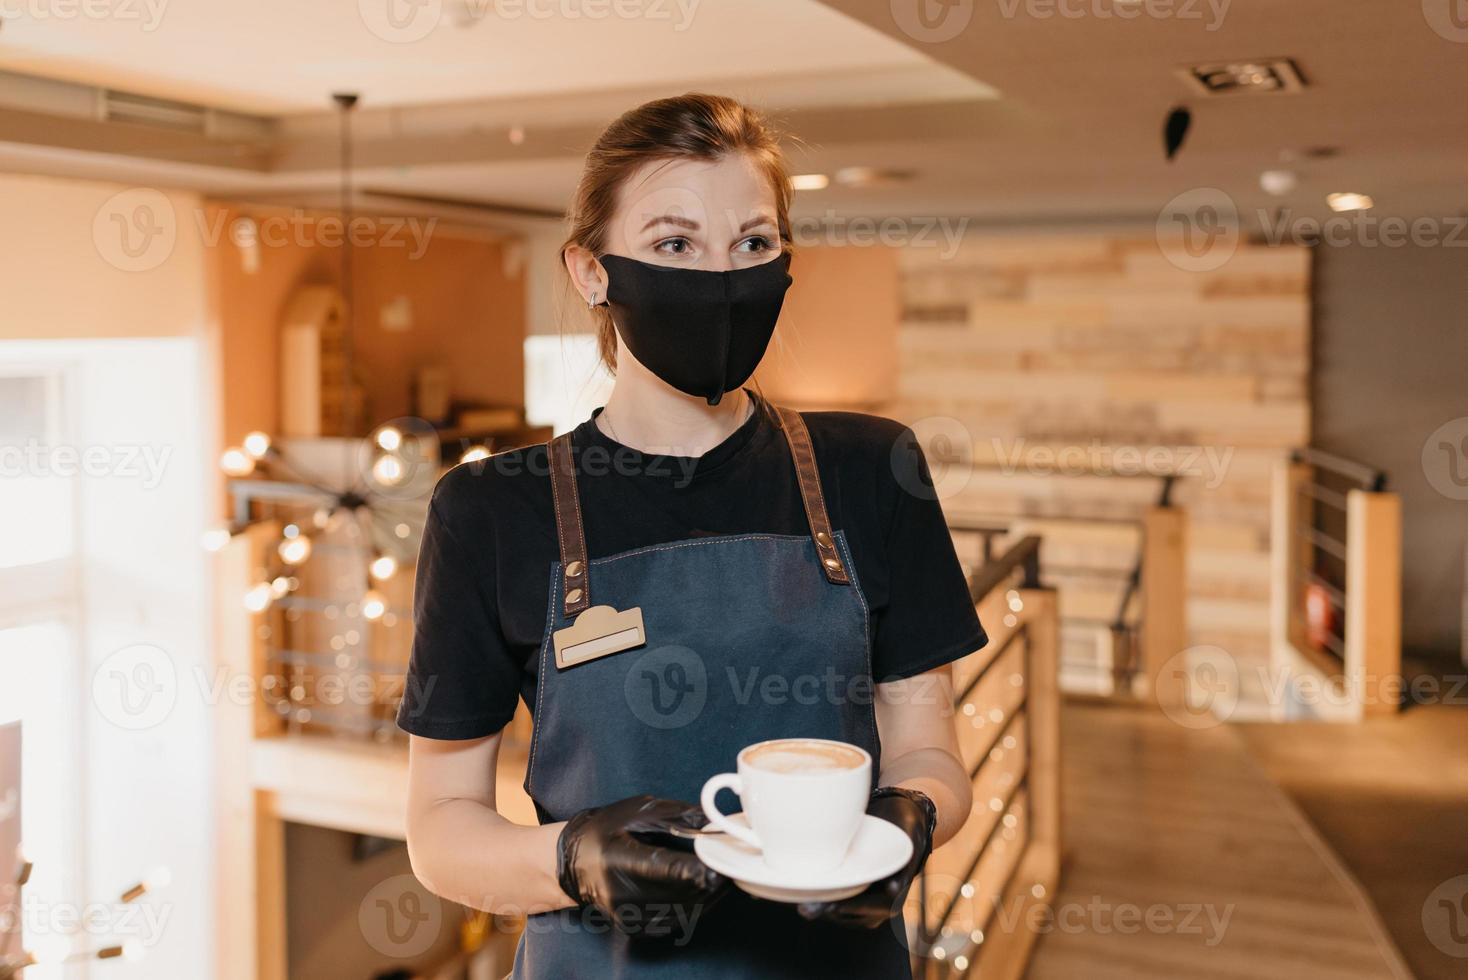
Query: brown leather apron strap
x=810, y=494
x=571, y=534
x=569, y=530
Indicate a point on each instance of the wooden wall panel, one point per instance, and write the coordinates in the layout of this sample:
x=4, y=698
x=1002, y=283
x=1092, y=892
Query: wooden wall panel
x=1090, y=343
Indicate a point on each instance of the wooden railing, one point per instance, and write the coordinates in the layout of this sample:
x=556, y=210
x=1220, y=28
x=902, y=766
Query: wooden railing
x=971, y=913
x=1336, y=602
x=1129, y=619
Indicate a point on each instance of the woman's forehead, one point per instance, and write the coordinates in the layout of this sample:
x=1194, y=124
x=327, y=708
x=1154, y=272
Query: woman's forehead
x=732, y=187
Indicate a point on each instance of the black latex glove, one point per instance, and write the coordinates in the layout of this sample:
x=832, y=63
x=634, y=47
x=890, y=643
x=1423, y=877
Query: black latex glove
x=917, y=816
x=620, y=859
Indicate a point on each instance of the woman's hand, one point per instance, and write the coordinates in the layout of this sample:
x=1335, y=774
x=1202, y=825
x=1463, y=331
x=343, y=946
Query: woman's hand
x=917, y=816
x=610, y=858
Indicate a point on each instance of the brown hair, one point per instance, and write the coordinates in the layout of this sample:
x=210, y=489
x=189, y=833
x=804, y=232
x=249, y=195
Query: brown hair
x=694, y=126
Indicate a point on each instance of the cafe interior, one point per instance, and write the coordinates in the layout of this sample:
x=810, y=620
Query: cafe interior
x=1170, y=292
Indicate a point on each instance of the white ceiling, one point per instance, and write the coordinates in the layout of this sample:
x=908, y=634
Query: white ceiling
x=283, y=56
x=1024, y=115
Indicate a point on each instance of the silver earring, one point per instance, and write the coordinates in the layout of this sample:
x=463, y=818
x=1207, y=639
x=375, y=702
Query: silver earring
x=592, y=301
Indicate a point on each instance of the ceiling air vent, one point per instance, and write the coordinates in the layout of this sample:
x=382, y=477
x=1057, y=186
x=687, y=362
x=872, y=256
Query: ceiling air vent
x=1257, y=76
x=142, y=110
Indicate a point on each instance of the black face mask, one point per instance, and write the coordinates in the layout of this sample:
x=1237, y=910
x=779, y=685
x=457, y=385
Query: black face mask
x=702, y=332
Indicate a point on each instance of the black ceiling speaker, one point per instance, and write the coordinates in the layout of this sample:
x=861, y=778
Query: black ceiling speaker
x=1175, y=130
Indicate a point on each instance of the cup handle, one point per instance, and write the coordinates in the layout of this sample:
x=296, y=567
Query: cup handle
x=721, y=821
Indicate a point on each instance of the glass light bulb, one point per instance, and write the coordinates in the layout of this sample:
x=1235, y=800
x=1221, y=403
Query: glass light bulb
x=389, y=438
x=388, y=470
x=257, y=444
x=259, y=597
x=236, y=462
x=373, y=605
x=293, y=551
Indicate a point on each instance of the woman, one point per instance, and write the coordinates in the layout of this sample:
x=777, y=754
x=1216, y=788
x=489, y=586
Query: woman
x=793, y=578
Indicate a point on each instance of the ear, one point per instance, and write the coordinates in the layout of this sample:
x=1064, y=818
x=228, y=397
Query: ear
x=587, y=274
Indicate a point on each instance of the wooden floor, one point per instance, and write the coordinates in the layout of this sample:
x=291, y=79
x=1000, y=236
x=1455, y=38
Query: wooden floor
x=1184, y=862
x=1391, y=797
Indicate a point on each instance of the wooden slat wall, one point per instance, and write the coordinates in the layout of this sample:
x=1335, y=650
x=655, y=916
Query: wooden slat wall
x=1095, y=342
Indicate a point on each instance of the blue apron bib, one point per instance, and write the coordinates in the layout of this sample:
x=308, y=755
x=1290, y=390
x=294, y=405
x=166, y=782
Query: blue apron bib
x=748, y=637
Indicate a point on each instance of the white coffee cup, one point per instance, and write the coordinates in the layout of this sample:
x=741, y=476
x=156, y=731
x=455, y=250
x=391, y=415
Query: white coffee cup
x=804, y=799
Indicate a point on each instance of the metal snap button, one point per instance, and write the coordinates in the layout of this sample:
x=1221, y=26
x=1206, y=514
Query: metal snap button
x=823, y=539
x=573, y=596
x=833, y=564
x=573, y=569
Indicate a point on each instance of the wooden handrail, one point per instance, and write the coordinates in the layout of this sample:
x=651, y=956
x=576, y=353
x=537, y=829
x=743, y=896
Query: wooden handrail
x=1007, y=854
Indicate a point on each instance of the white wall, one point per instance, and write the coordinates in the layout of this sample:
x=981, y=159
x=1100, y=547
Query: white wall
x=109, y=263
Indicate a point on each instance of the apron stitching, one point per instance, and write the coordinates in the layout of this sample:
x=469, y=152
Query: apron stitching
x=713, y=539
x=866, y=628
x=540, y=684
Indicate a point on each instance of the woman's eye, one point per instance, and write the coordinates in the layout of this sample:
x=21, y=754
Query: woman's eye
x=755, y=243
x=673, y=246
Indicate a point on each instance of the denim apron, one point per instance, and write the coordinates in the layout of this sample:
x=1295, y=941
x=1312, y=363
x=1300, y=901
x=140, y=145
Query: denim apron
x=748, y=637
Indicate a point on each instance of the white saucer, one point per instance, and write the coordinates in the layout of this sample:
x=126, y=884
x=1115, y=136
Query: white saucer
x=880, y=849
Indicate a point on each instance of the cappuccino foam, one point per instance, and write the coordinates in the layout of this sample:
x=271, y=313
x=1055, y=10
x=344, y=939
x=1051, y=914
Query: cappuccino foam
x=801, y=756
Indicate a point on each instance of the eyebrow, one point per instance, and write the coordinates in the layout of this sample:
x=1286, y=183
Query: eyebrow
x=691, y=225
x=672, y=219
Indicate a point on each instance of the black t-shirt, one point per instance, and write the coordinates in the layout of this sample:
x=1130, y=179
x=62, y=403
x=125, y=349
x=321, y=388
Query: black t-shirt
x=480, y=602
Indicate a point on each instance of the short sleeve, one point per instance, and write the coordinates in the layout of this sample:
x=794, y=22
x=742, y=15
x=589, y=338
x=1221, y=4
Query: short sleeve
x=461, y=681
x=929, y=619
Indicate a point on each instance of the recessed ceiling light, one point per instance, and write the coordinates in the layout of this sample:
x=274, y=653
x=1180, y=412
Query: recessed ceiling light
x=809, y=182
x=1349, y=201
x=1257, y=76
x=871, y=176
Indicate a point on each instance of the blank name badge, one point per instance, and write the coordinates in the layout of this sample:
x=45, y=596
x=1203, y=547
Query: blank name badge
x=598, y=632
